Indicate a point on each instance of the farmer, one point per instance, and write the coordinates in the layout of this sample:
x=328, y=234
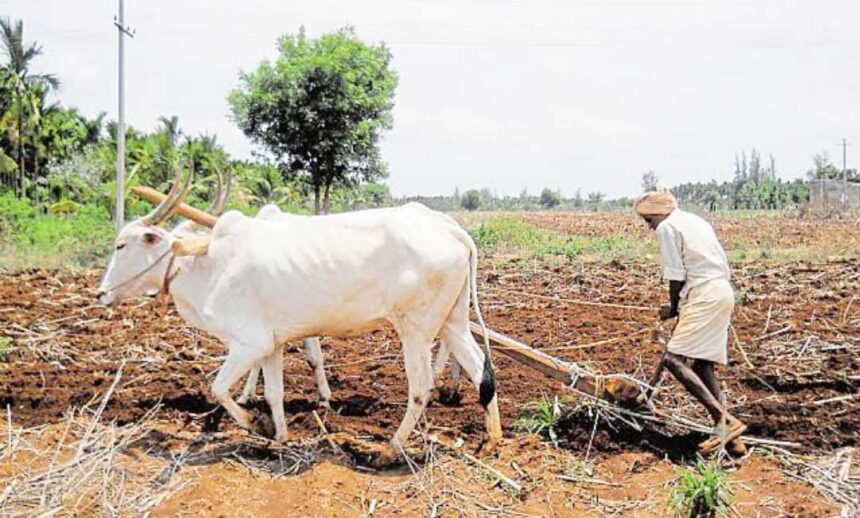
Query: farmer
x=696, y=267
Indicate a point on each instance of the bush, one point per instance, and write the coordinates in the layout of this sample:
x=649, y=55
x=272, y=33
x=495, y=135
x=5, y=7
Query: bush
x=471, y=200
x=550, y=198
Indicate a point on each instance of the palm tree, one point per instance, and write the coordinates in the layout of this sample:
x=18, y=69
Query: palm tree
x=94, y=128
x=170, y=127
x=21, y=81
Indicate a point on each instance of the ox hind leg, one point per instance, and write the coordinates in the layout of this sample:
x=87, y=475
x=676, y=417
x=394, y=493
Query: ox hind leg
x=314, y=356
x=250, y=388
x=455, y=332
x=417, y=356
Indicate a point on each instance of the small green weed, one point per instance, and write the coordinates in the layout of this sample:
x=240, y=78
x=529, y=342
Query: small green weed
x=700, y=491
x=541, y=418
x=5, y=348
x=577, y=469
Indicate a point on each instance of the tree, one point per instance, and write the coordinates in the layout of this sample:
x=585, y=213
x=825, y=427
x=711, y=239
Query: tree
x=550, y=198
x=320, y=109
x=577, y=199
x=471, y=200
x=595, y=197
x=20, y=82
x=649, y=181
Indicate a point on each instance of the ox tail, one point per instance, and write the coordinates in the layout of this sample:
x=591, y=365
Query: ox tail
x=487, y=388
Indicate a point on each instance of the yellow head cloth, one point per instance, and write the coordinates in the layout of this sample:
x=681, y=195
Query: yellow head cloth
x=656, y=203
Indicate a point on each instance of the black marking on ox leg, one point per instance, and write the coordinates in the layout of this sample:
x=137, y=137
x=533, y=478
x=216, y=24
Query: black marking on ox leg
x=487, y=389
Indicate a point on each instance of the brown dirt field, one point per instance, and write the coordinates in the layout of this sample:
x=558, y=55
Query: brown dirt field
x=799, y=324
x=786, y=233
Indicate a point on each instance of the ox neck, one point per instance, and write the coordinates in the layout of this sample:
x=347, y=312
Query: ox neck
x=189, y=283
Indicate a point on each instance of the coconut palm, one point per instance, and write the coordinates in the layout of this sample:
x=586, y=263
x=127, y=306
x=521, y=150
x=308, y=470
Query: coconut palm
x=20, y=80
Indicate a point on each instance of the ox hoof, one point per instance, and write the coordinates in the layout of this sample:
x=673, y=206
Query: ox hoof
x=449, y=396
x=263, y=425
x=489, y=447
x=324, y=403
x=387, y=458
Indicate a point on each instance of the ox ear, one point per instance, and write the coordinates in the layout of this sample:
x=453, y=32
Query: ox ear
x=151, y=238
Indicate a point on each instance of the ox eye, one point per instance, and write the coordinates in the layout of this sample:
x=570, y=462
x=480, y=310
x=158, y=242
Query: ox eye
x=120, y=246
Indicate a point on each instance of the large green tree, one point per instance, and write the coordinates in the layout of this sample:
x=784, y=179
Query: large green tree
x=320, y=108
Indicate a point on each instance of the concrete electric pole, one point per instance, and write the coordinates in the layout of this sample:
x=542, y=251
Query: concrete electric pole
x=844, y=172
x=122, y=31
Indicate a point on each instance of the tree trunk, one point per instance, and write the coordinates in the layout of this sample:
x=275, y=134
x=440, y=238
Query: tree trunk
x=316, y=199
x=36, y=173
x=20, y=148
x=327, y=199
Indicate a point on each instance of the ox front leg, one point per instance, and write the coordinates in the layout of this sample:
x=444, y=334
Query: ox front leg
x=239, y=362
x=417, y=356
x=273, y=378
x=314, y=355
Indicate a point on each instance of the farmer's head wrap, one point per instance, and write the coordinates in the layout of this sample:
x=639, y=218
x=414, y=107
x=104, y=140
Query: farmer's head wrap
x=656, y=203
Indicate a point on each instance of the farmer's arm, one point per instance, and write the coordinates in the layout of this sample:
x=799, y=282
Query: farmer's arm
x=671, y=255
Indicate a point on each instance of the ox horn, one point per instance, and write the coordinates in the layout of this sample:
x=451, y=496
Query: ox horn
x=222, y=193
x=174, y=198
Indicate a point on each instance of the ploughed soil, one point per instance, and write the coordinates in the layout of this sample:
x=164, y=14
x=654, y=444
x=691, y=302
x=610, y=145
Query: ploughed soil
x=798, y=325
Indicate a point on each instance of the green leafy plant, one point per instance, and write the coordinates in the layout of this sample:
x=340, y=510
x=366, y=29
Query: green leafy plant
x=5, y=348
x=578, y=469
x=700, y=491
x=541, y=418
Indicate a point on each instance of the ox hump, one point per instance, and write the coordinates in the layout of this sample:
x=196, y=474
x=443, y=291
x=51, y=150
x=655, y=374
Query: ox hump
x=228, y=223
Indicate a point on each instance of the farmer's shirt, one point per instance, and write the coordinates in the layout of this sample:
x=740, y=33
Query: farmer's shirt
x=690, y=251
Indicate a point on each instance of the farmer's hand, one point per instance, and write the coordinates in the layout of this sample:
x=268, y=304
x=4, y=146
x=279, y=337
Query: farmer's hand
x=667, y=312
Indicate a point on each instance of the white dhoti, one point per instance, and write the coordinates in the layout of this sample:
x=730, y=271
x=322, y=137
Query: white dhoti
x=703, y=328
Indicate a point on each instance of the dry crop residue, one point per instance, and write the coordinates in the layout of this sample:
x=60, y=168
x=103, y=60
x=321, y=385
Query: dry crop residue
x=798, y=324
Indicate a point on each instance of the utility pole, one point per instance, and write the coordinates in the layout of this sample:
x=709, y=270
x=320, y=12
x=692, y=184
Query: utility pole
x=844, y=172
x=122, y=31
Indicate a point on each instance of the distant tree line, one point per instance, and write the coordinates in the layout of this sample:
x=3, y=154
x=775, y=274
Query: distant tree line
x=549, y=199
x=755, y=185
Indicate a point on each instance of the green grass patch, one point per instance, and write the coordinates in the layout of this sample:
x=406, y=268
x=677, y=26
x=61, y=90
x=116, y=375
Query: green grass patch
x=509, y=237
x=31, y=239
x=700, y=491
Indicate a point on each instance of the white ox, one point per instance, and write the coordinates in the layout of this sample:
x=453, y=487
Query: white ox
x=263, y=283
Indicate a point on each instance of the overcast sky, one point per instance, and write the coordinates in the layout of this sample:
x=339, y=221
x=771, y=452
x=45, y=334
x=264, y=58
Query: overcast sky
x=503, y=94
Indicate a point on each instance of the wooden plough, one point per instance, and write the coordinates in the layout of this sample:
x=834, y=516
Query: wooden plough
x=614, y=388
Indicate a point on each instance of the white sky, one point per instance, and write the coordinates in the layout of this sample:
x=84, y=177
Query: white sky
x=503, y=94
